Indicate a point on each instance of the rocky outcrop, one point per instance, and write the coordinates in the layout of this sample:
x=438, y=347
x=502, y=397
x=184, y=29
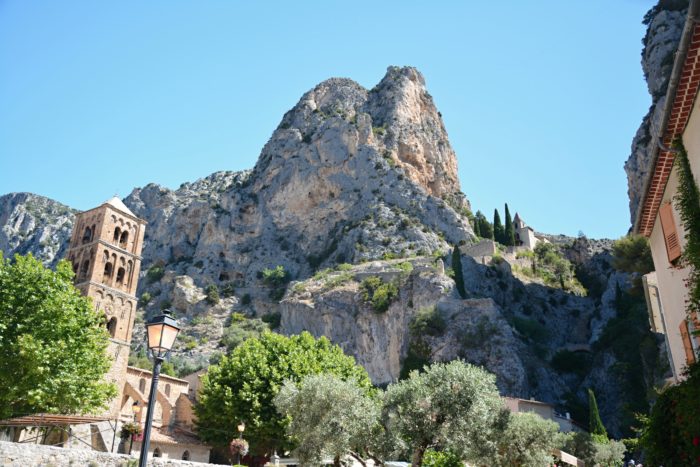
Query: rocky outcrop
x=664, y=27
x=34, y=224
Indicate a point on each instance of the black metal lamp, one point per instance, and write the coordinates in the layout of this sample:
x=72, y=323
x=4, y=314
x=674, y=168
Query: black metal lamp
x=162, y=331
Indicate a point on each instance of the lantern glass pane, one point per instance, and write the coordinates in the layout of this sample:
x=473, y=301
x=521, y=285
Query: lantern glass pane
x=168, y=338
x=154, y=335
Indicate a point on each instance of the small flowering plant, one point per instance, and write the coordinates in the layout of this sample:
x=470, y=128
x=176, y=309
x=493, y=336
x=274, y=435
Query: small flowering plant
x=238, y=447
x=130, y=429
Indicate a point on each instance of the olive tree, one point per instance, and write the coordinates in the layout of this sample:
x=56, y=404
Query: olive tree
x=452, y=406
x=330, y=418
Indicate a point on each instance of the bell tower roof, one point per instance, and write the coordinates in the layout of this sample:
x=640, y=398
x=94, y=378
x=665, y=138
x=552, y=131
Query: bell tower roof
x=119, y=205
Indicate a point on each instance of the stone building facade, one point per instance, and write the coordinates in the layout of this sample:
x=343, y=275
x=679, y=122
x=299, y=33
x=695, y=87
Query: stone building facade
x=105, y=250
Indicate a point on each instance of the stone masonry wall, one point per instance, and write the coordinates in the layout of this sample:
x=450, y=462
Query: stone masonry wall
x=36, y=455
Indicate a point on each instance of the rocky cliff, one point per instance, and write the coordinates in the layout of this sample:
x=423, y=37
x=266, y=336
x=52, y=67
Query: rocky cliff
x=356, y=191
x=664, y=27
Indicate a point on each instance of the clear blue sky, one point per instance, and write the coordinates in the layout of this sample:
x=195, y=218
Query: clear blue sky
x=541, y=99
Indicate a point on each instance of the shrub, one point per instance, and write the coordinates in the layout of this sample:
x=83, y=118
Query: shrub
x=228, y=290
x=531, y=329
x=144, y=299
x=379, y=293
x=245, y=299
x=273, y=319
x=275, y=277
x=441, y=459
x=155, y=273
x=212, y=292
x=241, y=329
x=566, y=361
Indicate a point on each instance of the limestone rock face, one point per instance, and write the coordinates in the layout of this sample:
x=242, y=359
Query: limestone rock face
x=665, y=25
x=33, y=224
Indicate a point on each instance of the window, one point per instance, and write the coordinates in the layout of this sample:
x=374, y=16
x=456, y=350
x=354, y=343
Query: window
x=123, y=239
x=108, y=272
x=186, y=456
x=84, y=270
x=120, y=275
x=167, y=390
x=142, y=385
x=112, y=326
x=87, y=236
x=117, y=234
x=157, y=453
x=668, y=225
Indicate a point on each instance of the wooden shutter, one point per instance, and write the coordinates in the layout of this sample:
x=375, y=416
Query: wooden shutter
x=687, y=345
x=673, y=245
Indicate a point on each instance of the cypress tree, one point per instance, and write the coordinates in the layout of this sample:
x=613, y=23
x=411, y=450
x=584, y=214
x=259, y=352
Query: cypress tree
x=457, y=269
x=485, y=227
x=498, y=230
x=509, y=236
x=595, y=424
x=477, y=225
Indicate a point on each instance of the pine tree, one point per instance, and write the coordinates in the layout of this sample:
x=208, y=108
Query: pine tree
x=498, y=230
x=457, y=269
x=509, y=235
x=595, y=424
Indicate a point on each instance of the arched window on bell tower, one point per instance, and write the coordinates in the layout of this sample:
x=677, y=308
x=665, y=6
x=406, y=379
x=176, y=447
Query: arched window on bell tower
x=124, y=239
x=112, y=326
x=117, y=234
x=87, y=235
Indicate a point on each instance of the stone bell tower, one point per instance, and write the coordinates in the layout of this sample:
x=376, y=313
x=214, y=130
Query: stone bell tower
x=105, y=250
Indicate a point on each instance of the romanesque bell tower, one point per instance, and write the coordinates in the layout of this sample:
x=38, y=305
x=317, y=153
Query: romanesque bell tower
x=105, y=250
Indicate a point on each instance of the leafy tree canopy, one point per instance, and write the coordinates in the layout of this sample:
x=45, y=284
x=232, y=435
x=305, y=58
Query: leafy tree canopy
x=242, y=387
x=52, y=342
x=528, y=441
x=632, y=254
x=450, y=406
x=329, y=417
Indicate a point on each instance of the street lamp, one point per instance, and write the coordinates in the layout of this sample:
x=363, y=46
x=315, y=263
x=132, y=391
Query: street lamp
x=162, y=331
x=241, y=429
x=135, y=408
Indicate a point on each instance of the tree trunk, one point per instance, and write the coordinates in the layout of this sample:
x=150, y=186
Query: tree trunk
x=417, y=458
x=336, y=461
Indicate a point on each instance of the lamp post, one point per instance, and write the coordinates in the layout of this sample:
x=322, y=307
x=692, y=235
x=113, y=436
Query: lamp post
x=162, y=331
x=135, y=408
x=241, y=429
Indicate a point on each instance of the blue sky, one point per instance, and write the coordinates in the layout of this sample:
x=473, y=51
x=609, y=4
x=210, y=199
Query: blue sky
x=541, y=99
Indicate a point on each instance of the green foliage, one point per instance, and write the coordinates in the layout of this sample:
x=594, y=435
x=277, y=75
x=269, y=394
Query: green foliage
x=244, y=383
x=554, y=269
x=52, y=342
x=330, y=417
x=428, y=321
x=228, y=290
x=509, y=231
x=632, y=254
x=435, y=458
x=458, y=274
x=241, y=329
x=531, y=329
x=595, y=424
x=245, y=299
x=485, y=229
x=212, y=292
x=452, y=405
x=528, y=441
x=628, y=337
x=379, y=293
x=155, y=273
x=499, y=231
x=145, y=299
x=671, y=434
x=688, y=203
x=275, y=277
x=583, y=446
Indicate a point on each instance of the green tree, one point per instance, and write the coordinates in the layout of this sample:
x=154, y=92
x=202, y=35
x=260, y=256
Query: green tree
x=212, y=292
x=458, y=274
x=451, y=406
x=243, y=384
x=528, y=441
x=632, y=254
x=595, y=424
x=240, y=329
x=52, y=342
x=584, y=446
x=330, y=417
x=485, y=227
x=509, y=231
x=499, y=232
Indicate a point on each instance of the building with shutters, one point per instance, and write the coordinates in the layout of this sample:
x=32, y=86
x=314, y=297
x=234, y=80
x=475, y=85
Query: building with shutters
x=658, y=218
